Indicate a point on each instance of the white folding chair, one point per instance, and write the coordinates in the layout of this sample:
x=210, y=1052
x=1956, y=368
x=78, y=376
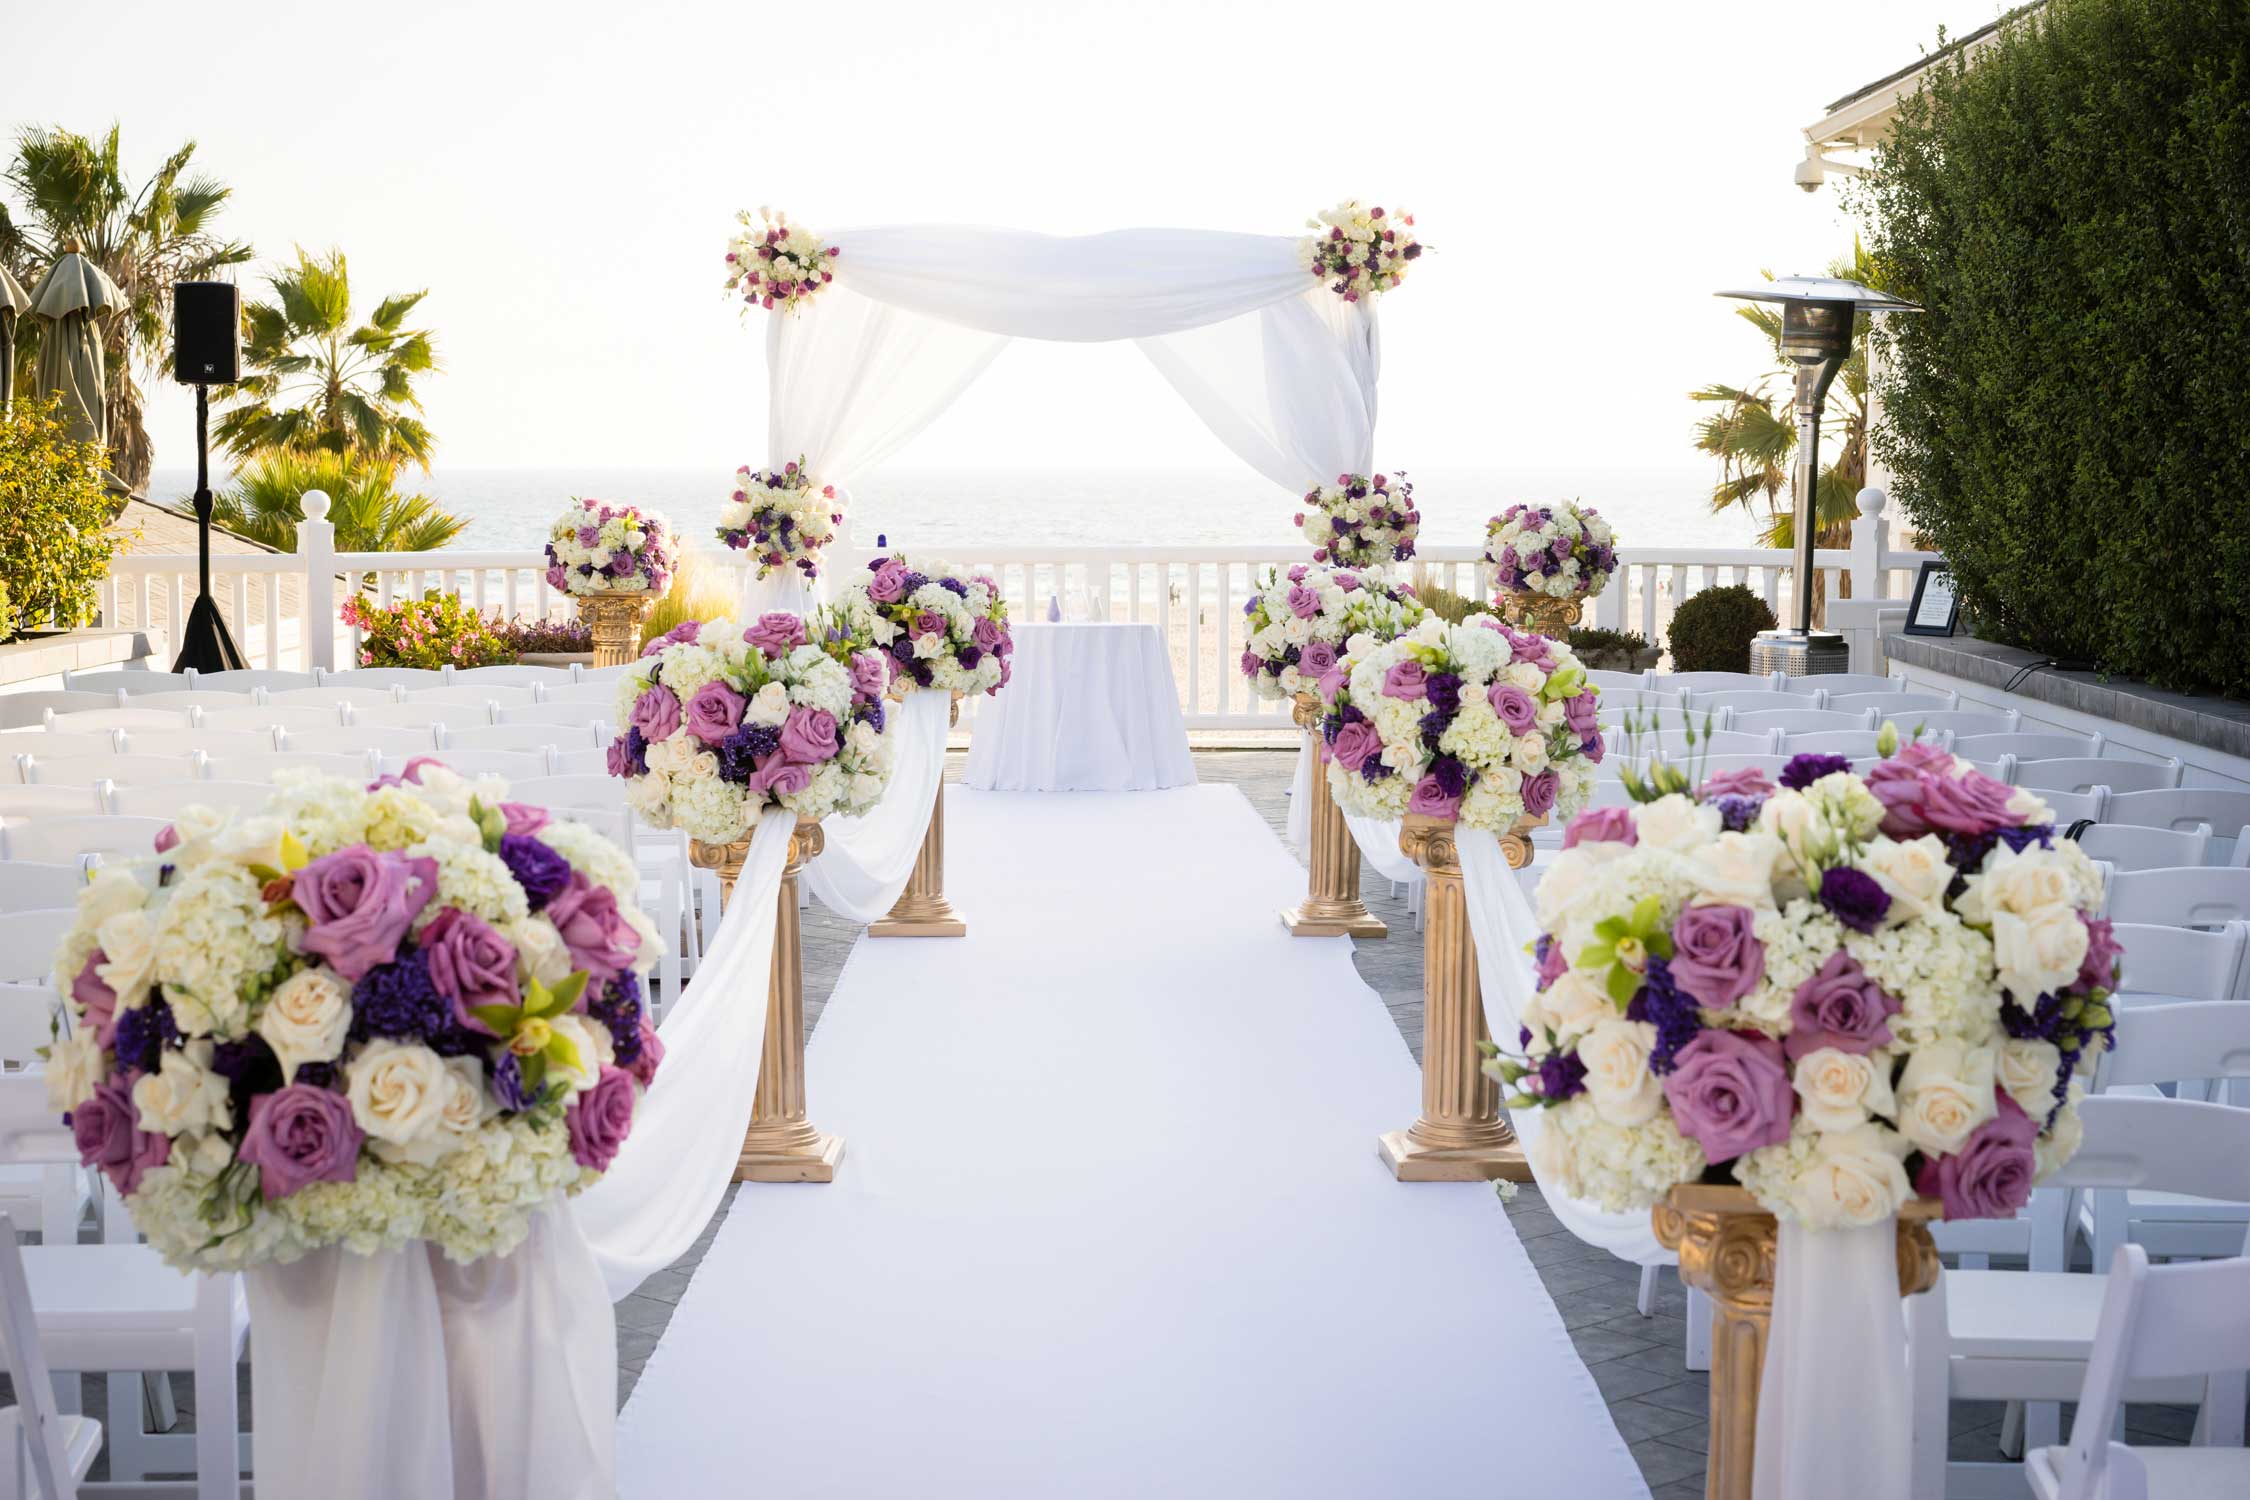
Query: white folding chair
x=168, y=800
x=329, y=697
x=383, y=679
x=1849, y=743
x=2228, y=813
x=2194, y=1042
x=117, y=1307
x=1796, y=721
x=20, y=710
x=538, y=737
x=1606, y=680
x=188, y=700
x=1844, y=682
x=575, y=713
x=267, y=717
x=510, y=765
x=1962, y=721
x=246, y=680
x=2130, y=848
x=1772, y=765
x=190, y=741
x=33, y=885
x=2157, y=1323
x=1745, y=700
x=49, y=1453
x=1712, y=682
x=182, y=765
x=402, y=715
x=2205, y=897
x=49, y=1199
x=513, y=675
x=2026, y=744
x=579, y=672
x=2026, y=1335
x=102, y=720
x=55, y=742
x=60, y=841
x=20, y=803
x=602, y=693
x=480, y=695
x=1673, y=746
x=2071, y=807
x=359, y=737
x=129, y=681
x=30, y=938
x=351, y=765
x=1899, y=706
x=2165, y=964
x=2081, y=773
x=593, y=762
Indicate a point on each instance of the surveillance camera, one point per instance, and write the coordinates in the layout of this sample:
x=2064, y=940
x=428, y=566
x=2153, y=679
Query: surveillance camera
x=1811, y=172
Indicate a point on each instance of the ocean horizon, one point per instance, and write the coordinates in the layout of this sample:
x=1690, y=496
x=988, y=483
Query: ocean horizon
x=510, y=508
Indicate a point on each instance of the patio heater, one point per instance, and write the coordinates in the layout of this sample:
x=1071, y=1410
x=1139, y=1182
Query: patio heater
x=1817, y=314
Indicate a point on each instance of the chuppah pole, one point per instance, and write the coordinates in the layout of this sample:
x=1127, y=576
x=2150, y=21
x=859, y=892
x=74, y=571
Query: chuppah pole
x=922, y=909
x=781, y=1144
x=1332, y=906
x=1460, y=1136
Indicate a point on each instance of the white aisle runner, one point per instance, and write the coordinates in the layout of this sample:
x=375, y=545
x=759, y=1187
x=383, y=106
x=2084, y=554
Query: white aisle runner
x=1110, y=1222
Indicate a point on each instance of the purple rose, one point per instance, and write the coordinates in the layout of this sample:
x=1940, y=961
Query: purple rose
x=686, y=632
x=647, y=1056
x=1252, y=664
x=1902, y=783
x=871, y=674
x=1297, y=573
x=360, y=905
x=595, y=932
x=1744, y=781
x=621, y=760
x=809, y=736
x=1730, y=1093
x=2098, y=970
x=470, y=965
x=1601, y=825
x=780, y=776
x=107, y=1131
x=1304, y=603
x=1354, y=743
x=656, y=713
x=888, y=585
x=523, y=818
x=986, y=632
x=1431, y=800
x=300, y=1135
x=1348, y=582
x=1518, y=710
x=1539, y=793
x=930, y=622
x=1715, y=955
x=1972, y=803
x=600, y=1118
x=775, y=634
x=1406, y=681
x=1317, y=660
x=1839, y=1007
x=96, y=999
x=714, y=712
x=1552, y=964
x=1582, y=714
x=1990, y=1176
x=1854, y=898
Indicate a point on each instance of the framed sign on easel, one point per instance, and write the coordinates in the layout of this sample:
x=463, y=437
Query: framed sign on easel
x=1936, y=609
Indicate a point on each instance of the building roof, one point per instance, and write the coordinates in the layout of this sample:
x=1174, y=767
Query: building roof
x=1863, y=116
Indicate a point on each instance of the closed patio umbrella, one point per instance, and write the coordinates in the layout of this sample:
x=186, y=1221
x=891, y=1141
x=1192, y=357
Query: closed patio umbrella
x=13, y=304
x=73, y=298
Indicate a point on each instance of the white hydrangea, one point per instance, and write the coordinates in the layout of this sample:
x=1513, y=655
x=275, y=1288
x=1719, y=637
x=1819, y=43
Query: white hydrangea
x=1618, y=1168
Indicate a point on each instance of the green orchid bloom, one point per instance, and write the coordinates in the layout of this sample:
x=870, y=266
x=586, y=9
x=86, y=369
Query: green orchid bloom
x=1568, y=683
x=491, y=823
x=1623, y=946
x=525, y=1030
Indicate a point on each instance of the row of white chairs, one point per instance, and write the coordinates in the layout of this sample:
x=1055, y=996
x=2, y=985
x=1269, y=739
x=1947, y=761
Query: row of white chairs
x=466, y=705
x=136, y=681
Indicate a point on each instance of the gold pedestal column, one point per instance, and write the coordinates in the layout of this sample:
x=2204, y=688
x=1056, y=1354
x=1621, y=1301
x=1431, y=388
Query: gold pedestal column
x=921, y=909
x=1460, y=1136
x=724, y=860
x=1726, y=1247
x=1544, y=614
x=615, y=621
x=781, y=1144
x=1332, y=907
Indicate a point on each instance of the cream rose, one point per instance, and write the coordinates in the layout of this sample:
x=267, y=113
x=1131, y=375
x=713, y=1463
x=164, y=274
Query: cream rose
x=197, y=827
x=1841, y=1089
x=1737, y=869
x=306, y=1018
x=466, y=1106
x=1945, y=1093
x=183, y=1095
x=1574, y=1005
x=2020, y=884
x=769, y=706
x=1676, y=822
x=2027, y=1069
x=590, y=1040
x=1570, y=879
x=1914, y=872
x=398, y=1092
x=2039, y=953
x=112, y=892
x=1618, y=1079
x=128, y=944
x=1856, y=1177
x=74, y=1067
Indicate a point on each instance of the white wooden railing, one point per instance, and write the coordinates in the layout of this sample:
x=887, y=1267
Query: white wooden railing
x=1194, y=595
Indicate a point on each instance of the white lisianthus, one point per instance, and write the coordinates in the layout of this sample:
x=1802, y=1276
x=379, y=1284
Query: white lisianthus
x=1945, y=1093
x=306, y=1019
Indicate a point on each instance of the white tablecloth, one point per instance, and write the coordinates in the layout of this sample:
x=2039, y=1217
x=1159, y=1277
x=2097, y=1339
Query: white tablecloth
x=1091, y=708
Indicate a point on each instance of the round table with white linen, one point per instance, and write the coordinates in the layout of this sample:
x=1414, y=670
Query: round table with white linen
x=1091, y=707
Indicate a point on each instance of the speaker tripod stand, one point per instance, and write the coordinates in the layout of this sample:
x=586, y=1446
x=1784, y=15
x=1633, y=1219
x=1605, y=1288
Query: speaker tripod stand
x=205, y=643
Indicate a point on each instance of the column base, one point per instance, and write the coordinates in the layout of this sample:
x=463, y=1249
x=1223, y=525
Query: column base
x=1304, y=921
x=813, y=1162
x=943, y=922
x=1411, y=1161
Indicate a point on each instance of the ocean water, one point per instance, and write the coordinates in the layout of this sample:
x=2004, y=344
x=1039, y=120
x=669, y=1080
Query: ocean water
x=511, y=508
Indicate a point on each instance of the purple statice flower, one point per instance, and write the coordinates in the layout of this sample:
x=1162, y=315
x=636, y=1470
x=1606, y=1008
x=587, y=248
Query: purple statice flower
x=1674, y=1015
x=143, y=1033
x=1738, y=814
x=1451, y=775
x=397, y=1000
x=740, y=752
x=319, y=1075
x=955, y=587
x=1803, y=770
x=1433, y=725
x=538, y=869
x=618, y=1007
x=1561, y=1074
x=913, y=581
x=1373, y=769
x=1853, y=897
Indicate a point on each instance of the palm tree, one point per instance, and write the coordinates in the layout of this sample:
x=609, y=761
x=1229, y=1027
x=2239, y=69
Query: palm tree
x=263, y=503
x=1754, y=434
x=74, y=188
x=321, y=384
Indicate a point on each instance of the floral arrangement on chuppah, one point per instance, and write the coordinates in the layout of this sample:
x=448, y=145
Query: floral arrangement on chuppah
x=1361, y=523
x=1300, y=620
x=1359, y=251
x=1474, y=723
x=936, y=625
x=1837, y=993
x=775, y=263
x=726, y=721
x=783, y=515
x=362, y=1016
x=598, y=548
x=1564, y=551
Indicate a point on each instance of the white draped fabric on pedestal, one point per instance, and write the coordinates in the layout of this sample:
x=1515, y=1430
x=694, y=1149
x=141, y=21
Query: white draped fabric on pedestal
x=869, y=859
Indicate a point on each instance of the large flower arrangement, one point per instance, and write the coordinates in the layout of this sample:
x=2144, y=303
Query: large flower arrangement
x=775, y=263
x=727, y=721
x=1837, y=992
x=935, y=625
x=1564, y=551
x=1359, y=251
x=597, y=548
x=364, y=1016
x=1361, y=523
x=1473, y=722
x=1300, y=620
x=783, y=514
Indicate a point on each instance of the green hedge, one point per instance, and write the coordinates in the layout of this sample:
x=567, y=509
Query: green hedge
x=2069, y=421
x=1712, y=629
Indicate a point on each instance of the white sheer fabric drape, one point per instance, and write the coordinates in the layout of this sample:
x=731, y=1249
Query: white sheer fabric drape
x=1834, y=1413
x=869, y=859
x=1378, y=845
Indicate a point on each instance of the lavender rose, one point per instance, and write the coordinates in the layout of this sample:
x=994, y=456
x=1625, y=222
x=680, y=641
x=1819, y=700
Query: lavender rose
x=360, y=905
x=1540, y=791
x=1990, y=1176
x=107, y=1131
x=714, y=713
x=1730, y=1093
x=647, y=1056
x=470, y=965
x=780, y=776
x=1518, y=711
x=1354, y=743
x=1317, y=660
x=2098, y=970
x=96, y=999
x=600, y=1118
x=1582, y=714
x=888, y=585
x=775, y=633
x=1406, y=681
x=1430, y=799
x=1839, y=1007
x=300, y=1135
x=1744, y=781
x=986, y=632
x=1601, y=825
x=522, y=818
x=595, y=932
x=1972, y=803
x=656, y=713
x=870, y=675
x=809, y=736
x=1715, y=955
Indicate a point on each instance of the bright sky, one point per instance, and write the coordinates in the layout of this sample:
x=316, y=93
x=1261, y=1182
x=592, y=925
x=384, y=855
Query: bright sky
x=563, y=177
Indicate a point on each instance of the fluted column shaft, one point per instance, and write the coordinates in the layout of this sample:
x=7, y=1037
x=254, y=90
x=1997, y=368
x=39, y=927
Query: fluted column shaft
x=1332, y=906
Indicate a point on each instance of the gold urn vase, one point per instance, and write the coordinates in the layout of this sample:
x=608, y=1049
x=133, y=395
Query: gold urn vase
x=614, y=621
x=1544, y=614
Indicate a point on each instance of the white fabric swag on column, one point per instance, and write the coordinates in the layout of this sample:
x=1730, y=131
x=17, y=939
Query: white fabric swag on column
x=869, y=859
